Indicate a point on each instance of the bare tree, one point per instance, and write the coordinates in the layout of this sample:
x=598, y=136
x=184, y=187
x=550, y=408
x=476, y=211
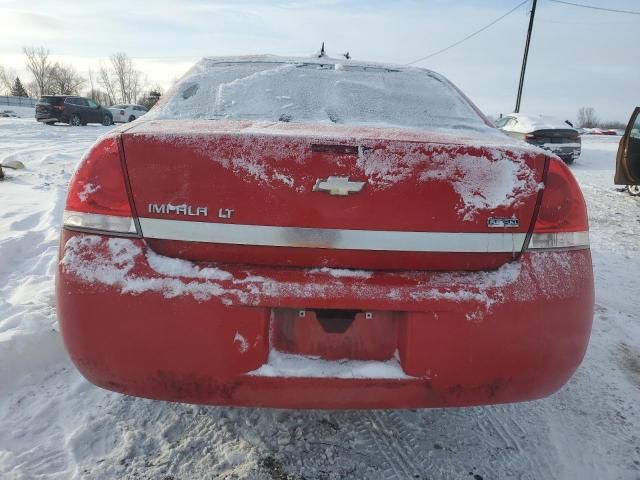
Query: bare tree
x=65, y=80
x=106, y=81
x=40, y=66
x=6, y=79
x=587, y=117
x=122, y=82
x=91, y=76
x=100, y=96
x=32, y=89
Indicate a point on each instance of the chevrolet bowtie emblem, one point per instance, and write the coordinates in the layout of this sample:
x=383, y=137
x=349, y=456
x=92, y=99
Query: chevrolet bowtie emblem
x=337, y=186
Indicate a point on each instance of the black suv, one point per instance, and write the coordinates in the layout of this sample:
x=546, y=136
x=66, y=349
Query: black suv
x=72, y=110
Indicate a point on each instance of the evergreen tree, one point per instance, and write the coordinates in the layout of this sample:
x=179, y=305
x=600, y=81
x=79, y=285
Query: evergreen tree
x=18, y=90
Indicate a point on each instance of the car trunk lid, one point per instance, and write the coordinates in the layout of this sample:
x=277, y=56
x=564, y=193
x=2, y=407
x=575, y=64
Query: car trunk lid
x=331, y=196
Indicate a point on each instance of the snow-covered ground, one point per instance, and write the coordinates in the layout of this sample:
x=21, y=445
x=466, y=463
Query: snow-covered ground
x=18, y=110
x=55, y=425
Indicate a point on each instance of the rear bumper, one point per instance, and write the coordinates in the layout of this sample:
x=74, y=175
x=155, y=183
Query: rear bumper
x=149, y=326
x=570, y=153
x=47, y=119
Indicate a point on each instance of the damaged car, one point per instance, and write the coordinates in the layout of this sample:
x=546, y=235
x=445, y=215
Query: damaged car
x=323, y=233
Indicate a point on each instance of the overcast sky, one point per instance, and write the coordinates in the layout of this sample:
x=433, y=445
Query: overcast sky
x=579, y=57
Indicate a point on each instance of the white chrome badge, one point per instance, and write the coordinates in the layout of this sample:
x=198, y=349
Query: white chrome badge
x=225, y=212
x=184, y=209
x=337, y=186
x=503, y=222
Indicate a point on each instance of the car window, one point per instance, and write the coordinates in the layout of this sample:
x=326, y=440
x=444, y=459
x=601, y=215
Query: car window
x=635, y=130
x=71, y=101
x=314, y=92
x=50, y=100
x=91, y=103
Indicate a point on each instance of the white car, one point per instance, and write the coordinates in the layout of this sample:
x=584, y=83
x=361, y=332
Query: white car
x=126, y=112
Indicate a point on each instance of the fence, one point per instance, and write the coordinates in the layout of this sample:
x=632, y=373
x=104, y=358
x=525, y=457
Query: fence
x=18, y=101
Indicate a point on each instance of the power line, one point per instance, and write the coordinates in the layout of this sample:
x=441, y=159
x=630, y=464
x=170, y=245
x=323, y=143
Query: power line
x=593, y=7
x=469, y=36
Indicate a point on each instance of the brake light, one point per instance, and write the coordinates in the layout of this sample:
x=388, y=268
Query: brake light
x=97, y=198
x=562, y=217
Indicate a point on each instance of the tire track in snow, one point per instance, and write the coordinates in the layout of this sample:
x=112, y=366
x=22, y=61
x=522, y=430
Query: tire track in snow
x=391, y=442
x=500, y=427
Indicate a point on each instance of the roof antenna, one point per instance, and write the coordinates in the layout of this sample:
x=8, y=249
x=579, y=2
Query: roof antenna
x=346, y=55
x=322, y=52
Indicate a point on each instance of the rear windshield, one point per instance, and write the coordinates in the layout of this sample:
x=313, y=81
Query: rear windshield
x=311, y=92
x=50, y=100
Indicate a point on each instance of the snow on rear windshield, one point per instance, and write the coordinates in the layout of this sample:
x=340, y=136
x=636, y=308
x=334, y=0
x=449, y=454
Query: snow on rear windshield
x=313, y=92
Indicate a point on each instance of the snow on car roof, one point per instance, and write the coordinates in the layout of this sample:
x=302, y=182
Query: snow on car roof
x=313, y=60
x=529, y=123
x=318, y=90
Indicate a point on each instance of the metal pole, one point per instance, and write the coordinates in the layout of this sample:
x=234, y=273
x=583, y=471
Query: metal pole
x=526, y=54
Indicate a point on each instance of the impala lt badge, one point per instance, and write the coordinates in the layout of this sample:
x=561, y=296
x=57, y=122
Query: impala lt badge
x=337, y=186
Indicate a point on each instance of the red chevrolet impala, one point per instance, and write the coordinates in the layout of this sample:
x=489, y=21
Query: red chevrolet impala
x=321, y=233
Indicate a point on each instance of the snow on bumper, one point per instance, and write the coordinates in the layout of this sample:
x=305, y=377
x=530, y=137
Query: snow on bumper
x=151, y=326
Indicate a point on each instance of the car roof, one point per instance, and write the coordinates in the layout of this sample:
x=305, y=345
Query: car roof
x=324, y=60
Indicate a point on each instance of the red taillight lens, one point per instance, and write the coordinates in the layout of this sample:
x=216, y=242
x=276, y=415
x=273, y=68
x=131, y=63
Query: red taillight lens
x=97, y=197
x=98, y=184
x=562, y=220
x=563, y=208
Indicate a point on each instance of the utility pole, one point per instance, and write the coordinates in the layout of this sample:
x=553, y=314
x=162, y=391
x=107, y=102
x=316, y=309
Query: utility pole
x=526, y=54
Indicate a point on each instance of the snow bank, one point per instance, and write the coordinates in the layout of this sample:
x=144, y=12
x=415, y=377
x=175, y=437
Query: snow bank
x=16, y=111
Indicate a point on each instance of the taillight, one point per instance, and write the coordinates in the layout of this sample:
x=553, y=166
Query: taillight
x=562, y=217
x=97, y=198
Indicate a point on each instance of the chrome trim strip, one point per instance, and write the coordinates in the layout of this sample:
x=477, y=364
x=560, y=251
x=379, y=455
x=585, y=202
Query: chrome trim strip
x=99, y=223
x=264, y=235
x=552, y=241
